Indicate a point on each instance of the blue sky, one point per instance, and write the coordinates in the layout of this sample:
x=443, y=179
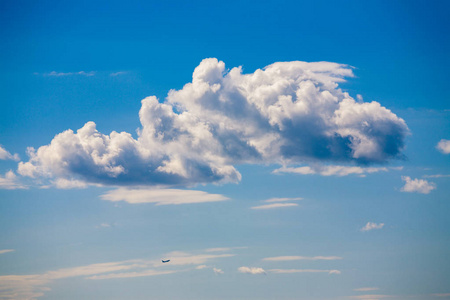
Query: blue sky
x=270, y=150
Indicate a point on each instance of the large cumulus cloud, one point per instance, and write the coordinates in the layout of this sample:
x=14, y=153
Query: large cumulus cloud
x=286, y=113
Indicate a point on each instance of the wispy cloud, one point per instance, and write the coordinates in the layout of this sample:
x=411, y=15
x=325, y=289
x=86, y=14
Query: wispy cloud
x=217, y=271
x=6, y=251
x=437, y=176
x=290, y=258
x=274, y=205
x=60, y=74
x=34, y=286
x=443, y=146
x=372, y=226
x=251, y=270
x=272, y=200
x=161, y=196
x=118, y=73
x=366, y=289
x=373, y=297
x=441, y=295
x=332, y=170
x=292, y=271
x=5, y=155
x=417, y=185
x=223, y=249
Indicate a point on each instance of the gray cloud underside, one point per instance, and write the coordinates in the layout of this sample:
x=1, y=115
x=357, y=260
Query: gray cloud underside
x=286, y=113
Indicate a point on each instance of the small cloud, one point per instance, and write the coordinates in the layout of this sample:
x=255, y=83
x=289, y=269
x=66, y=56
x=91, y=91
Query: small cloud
x=332, y=170
x=104, y=225
x=118, y=73
x=161, y=196
x=443, y=146
x=437, y=176
x=10, y=182
x=371, y=297
x=217, y=271
x=271, y=200
x=62, y=183
x=61, y=74
x=274, y=205
x=366, y=289
x=290, y=258
x=5, y=155
x=359, y=98
x=251, y=270
x=417, y=185
x=223, y=249
x=371, y=226
x=6, y=251
x=201, y=267
x=292, y=271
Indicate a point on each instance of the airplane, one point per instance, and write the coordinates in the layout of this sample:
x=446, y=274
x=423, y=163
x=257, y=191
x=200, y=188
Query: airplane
x=165, y=261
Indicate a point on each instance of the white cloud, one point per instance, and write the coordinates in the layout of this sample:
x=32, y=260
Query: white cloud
x=161, y=196
x=371, y=226
x=444, y=146
x=417, y=185
x=251, y=270
x=274, y=205
x=437, y=176
x=144, y=273
x=10, y=181
x=330, y=170
x=223, y=249
x=60, y=74
x=290, y=258
x=217, y=271
x=366, y=289
x=6, y=251
x=286, y=113
x=28, y=287
x=5, y=155
x=271, y=200
x=201, y=267
x=291, y=271
x=118, y=73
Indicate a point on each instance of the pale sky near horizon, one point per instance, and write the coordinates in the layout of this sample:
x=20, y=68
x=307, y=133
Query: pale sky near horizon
x=270, y=150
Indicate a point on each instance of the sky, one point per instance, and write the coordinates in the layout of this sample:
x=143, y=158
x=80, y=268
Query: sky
x=269, y=150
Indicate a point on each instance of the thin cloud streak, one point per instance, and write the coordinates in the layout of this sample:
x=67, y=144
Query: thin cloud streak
x=290, y=258
x=274, y=205
x=161, y=196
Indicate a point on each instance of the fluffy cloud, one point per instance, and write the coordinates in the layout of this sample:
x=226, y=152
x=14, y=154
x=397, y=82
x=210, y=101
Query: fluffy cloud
x=5, y=155
x=371, y=226
x=417, y=185
x=161, y=196
x=444, y=146
x=290, y=258
x=251, y=270
x=10, y=181
x=286, y=113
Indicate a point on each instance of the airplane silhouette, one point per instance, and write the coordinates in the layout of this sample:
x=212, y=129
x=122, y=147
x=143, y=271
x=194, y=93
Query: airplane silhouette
x=165, y=261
